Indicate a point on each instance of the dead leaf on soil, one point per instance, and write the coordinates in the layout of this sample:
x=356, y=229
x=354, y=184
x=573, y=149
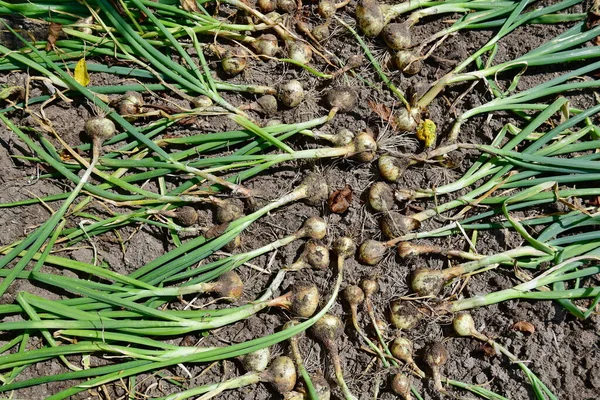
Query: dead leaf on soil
x=524, y=326
x=216, y=230
x=385, y=113
x=54, y=31
x=340, y=200
x=488, y=350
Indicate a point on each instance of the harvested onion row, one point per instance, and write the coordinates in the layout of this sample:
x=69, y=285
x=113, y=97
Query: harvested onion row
x=353, y=295
x=328, y=329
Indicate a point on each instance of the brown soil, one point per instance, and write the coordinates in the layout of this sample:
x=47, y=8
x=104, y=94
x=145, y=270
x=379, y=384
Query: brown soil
x=563, y=351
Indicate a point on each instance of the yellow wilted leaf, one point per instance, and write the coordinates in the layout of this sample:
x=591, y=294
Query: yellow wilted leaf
x=81, y=73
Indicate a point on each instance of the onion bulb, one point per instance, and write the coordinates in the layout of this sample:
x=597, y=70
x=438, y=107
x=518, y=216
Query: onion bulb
x=327, y=330
x=267, y=104
x=371, y=252
x=266, y=6
x=300, y=52
x=315, y=256
x=428, y=282
x=321, y=32
x=186, y=216
x=305, y=300
x=407, y=62
x=281, y=374
x=100, y=129
x=287, y=6
x=402, y=349
x=394, y=224
x=344, y=247
x=365, y=147
x=318, y=191
x=381, y=197
x=290, y=93
x=397, y=36
x=293, y=395
x=392, y=168
x=228, y=210
x=266, y=45
x=229, y=286
x=342, y=98
x=343, y=137
x=326, y=9
x=202, y=101
x=369, y=17
x=129, y=105
x=353, y=295
x=436, y=356
x=404, y=315
x=234, y=61
x=313, y=227
x=369, y=287
x=302, y=300
x=233, y=244
x=321, y=387
x=407, y=120
x=464, y=325
x=401, y=386
x=257, y=361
